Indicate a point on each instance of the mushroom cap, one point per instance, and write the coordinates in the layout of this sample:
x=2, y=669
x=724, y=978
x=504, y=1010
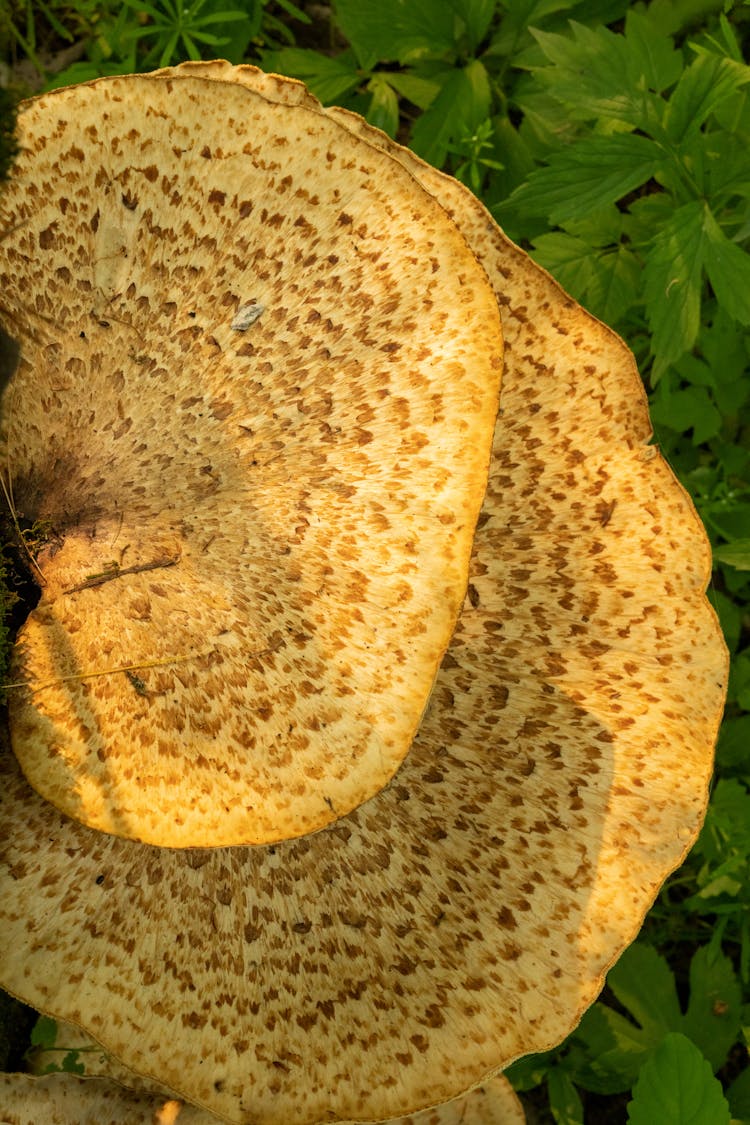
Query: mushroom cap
x=259, y=379
x=467, y=914
x=66, y=1099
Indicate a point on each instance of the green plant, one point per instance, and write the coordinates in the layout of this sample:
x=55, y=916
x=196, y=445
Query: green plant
x=646, y=1038
x=178, y=28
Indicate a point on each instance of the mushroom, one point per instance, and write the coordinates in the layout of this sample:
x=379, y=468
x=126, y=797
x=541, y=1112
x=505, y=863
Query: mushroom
x=255, y=407
x=65, y=1099
x=467, y=913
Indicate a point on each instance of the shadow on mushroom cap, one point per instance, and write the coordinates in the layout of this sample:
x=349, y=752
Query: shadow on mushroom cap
x=467, y=914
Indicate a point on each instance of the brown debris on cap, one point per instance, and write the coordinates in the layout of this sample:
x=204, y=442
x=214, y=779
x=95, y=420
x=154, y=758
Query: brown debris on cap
x=467, y=914
x=254, y=410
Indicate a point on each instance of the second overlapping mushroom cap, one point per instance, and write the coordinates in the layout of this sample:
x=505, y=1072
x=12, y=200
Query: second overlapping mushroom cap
x=467, y=913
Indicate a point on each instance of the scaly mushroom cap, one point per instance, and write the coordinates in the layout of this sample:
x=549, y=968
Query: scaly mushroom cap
x=467, y=914
x=64, y=1099
x=254, y=409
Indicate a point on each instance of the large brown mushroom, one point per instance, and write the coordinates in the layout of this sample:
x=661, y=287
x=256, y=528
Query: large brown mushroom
x=467, y=913
x=63, y=1099
x=255, y=404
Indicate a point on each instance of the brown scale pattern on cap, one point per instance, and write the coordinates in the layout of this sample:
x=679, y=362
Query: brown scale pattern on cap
x=287, y=511
x=466, y=915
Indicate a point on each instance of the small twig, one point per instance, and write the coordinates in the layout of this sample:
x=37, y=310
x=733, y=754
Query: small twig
x=116, y=571
x=105, y=672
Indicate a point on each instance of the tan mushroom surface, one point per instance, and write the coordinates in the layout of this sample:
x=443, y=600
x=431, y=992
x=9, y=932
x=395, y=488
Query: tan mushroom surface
x=64, y=1099
x=466, y=914
x=254, y=410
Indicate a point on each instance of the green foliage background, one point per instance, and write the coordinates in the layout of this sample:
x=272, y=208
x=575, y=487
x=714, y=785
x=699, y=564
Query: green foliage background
x=613, y=141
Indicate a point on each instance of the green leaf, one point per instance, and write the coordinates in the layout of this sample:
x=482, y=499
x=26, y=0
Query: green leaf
x=564, y=1101
x=44, y=1033
x=528, y=1072
x=689, y=408
x=600, y=74
x=643, y=983
x=653, y=55
x=587, y=175
x=738, y=1096
x=459, y=109
x=330, y=79
x=420, y=91
x=735, y=554
x=734, y=738
x=383, y=109
x=476, y=16
x=739, y=680
x=728, y=269
x=71, y=1063
x=568, y=259
x=676, y=1087
x=392, y=30
x=672, y=283
x=730, y=619
x=713, y=1016
x=703, y=87
x=614, y=284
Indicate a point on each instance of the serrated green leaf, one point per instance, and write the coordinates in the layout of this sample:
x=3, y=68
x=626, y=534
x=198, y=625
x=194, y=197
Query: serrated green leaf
x=564, y=1101
x=461, y=106
x=672, y=283
x=614, y=284
x=393, y=30
x=702, y=88
x=568, y=259
x=653, y=54
x=712, y=1020
x=589, y=174
x=330, y=79
x=589, y=73
x=676, y=1087
x=735, y=554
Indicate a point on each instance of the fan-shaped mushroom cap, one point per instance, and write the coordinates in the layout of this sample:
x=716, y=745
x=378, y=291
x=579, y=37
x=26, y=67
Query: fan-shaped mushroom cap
x=255, y=405
x=467, y=914
x=64, y=1099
